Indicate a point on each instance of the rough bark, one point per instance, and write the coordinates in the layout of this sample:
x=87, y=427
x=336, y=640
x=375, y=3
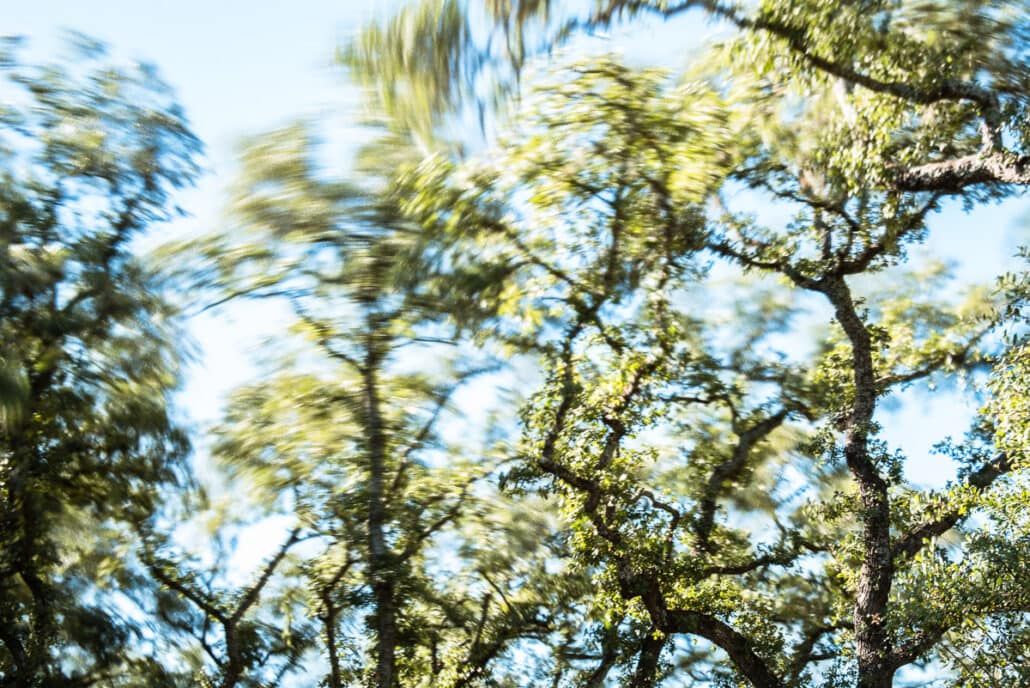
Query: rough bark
x=872, y=640
x=731, y=641
x=954, y=175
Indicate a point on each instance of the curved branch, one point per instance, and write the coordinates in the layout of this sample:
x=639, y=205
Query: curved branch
x=730, y=469
x=909, y=544
x=952, y=176
x=735, y=644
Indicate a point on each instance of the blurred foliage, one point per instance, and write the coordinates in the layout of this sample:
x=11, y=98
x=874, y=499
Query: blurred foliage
x=90, y=154
x=415, y=571
x=693, y=484
x=695, y=473
x=697, y=452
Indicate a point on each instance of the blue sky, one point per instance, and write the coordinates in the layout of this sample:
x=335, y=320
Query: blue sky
x=237, y=65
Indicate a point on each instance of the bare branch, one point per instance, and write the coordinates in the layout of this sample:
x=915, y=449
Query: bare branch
x=731, y=641
x=730, y=469
x=952, y=176
x=187, y=591
x=250, y=596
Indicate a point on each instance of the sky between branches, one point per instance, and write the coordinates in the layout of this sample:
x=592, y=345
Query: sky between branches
x=242, y=67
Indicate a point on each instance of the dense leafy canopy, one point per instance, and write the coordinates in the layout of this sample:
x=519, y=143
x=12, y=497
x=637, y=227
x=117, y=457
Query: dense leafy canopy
x=608, y=403
x=88, y=157
x=657, y=422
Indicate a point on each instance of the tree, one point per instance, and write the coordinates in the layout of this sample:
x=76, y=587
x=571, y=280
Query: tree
x=434, y=56
x=698, y=488
x=229, y=637
x=864, y=119
x=346, y=436
x=89, y=157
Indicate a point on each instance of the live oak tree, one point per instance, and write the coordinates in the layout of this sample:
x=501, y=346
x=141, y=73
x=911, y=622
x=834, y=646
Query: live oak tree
x=90, y=154
x=413, y=570
x=697, y=488
x=863, y=119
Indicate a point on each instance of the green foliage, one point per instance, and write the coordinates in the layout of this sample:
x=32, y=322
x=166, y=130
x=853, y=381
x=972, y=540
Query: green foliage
x=697, y=486
x=413, y=566
x=714, y=457
x=707, y=484
x=89, y=157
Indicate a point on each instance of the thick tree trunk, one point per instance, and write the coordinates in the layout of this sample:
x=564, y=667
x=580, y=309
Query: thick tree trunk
x=646, y=674
x=872, y=641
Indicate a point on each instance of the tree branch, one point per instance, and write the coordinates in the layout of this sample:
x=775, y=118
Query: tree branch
x=909, y=544
x=732, y=642
x=730, y=469
x=252, y=593
x=952, y=176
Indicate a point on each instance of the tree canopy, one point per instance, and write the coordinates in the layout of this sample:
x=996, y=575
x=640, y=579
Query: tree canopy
x=610, y=400
x=89, y=155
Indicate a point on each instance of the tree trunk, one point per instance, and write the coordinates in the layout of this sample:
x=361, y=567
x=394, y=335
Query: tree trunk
x=646, y=674
x=335, y=681
x=872, y=641
x=379, y=564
